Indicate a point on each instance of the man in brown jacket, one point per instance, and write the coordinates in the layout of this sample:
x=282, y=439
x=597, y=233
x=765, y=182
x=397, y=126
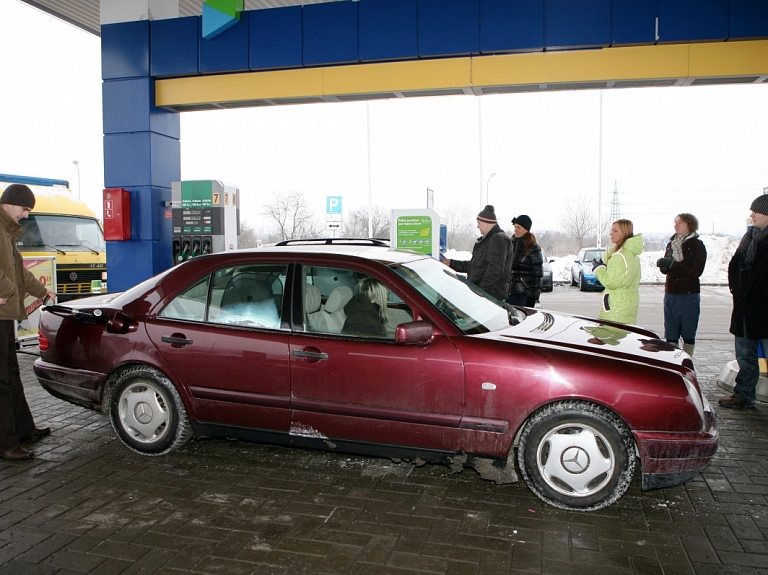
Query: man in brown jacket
x=16, y=423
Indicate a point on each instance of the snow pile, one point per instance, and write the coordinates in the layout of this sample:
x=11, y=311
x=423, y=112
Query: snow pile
x=719, y=252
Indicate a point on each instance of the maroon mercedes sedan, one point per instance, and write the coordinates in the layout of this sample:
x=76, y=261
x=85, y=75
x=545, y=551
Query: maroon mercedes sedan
x=350, y=346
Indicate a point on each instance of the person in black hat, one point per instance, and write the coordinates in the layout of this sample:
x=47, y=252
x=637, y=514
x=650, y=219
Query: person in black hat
x=16, y=423
x=748, y=282
x=527, y=265
x=491, y=257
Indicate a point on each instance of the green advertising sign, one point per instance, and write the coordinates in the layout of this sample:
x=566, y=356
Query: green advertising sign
x=415, y=233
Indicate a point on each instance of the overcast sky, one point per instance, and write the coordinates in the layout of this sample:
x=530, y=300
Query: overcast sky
x=697, y=149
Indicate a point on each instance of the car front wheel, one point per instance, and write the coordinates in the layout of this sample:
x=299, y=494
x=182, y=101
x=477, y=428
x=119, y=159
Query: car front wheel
x=147, y=412
x=576, y=456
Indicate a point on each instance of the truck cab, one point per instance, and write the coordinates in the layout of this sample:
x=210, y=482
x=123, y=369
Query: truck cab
x=63, y=226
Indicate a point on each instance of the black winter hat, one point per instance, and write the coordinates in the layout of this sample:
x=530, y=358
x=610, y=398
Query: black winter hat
x=18, y=195
x=760, y=205
x=524, y=221
x=487, y=215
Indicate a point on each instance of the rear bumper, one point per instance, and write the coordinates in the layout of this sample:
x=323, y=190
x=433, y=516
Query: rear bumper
x=77, y=386
x=672, y=458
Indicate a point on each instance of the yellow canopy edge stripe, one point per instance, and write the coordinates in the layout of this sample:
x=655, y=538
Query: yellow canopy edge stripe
x=715, y=59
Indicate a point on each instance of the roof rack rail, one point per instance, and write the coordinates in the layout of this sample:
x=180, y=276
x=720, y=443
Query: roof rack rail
x=337, y=242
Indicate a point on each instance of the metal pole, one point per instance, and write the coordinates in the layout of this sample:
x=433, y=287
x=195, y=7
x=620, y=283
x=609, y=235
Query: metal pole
x=77, y=165
x=600, y=177
x=486, y=188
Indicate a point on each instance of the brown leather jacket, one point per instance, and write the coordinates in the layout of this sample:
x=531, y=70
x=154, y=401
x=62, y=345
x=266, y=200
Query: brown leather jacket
x=15, y=280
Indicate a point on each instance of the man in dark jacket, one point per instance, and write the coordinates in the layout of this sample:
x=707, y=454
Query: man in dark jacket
x=16, y=423
x=491, y=261
x=748, y=282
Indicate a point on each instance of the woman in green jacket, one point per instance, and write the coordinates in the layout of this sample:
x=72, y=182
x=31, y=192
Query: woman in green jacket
x=620, y=274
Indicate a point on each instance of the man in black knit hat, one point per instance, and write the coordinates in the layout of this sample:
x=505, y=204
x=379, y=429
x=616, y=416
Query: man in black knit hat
x=16, y=423
x=748, y=282
x=491, y=260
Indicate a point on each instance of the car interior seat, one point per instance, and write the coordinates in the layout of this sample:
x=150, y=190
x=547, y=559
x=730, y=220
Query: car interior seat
x=334, y=308
x=315, y=317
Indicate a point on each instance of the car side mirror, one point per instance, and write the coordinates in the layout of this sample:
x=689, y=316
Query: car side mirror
x=414, y=332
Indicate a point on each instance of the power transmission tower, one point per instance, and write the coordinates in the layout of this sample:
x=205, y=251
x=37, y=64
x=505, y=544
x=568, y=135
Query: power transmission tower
x=615, y=206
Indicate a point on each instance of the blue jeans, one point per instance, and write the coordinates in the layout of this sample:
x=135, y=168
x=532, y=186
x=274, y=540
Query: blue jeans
x=749, y=368
x=681, y=317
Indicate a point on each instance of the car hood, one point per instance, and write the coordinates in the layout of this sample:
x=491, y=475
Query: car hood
x=592, y=335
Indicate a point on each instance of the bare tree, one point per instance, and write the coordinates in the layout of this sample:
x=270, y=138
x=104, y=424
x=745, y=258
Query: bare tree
x=356, y=223
x=248, y=236
x=292, y=215
x=580, y=221
x=460, y=222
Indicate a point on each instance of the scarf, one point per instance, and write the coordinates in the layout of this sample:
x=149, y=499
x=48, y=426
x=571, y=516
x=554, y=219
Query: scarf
x=758, y=235
x=677, y=245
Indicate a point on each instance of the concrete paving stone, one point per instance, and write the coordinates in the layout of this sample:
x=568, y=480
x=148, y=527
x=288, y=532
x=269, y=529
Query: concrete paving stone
x=411, y=540
x=419, y=563
x=74, y=560
x=462, y=568
x=20, y=567
x=647, y=565
x=494, y=563
x=452, y=552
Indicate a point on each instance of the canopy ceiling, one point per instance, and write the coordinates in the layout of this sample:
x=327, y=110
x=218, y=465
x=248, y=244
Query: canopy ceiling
x=85, y=13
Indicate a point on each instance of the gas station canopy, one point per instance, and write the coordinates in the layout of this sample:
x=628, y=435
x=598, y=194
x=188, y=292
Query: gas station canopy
x=85, y=14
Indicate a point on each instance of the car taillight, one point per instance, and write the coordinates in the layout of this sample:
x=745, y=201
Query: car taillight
x=42, y=341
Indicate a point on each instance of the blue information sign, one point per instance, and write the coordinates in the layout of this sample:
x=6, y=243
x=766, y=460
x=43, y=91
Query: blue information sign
x=333, y=205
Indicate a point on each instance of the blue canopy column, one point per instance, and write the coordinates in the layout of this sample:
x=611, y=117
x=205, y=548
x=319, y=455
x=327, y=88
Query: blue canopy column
x=141, y=144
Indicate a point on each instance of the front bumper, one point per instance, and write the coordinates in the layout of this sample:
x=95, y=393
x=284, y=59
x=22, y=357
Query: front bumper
x=672, y=458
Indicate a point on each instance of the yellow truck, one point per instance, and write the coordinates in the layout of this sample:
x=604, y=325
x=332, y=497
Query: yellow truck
x=64, y=227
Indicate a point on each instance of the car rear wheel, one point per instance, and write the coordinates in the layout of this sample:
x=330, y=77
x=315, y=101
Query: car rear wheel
x=576, y=456
x=147, y=412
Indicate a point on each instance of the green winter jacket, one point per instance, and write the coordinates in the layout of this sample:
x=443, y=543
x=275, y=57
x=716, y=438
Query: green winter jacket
x=15, y=280
x=621, y=278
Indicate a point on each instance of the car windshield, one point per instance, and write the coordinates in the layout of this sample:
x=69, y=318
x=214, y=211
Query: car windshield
x=468, y=307
x=592, y=255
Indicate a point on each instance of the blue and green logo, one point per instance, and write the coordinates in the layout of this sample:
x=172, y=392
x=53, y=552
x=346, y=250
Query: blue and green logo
x=218, y=15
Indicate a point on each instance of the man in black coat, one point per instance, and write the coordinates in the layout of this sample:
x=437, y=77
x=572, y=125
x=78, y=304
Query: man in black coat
x=491, y=261
x=748, y=282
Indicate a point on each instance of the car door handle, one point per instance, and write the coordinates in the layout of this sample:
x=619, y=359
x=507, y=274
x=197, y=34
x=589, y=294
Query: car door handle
x=175, y=341
x=309, y=354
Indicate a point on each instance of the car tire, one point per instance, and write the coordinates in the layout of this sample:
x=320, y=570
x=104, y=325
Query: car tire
x=576, y=456
x=573, y=281
x=582, y=283
x=147, y=412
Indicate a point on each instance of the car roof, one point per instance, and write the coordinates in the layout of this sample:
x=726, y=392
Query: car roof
x=371, y=251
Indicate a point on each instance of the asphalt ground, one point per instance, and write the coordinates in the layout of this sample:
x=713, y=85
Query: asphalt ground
x=86, y=504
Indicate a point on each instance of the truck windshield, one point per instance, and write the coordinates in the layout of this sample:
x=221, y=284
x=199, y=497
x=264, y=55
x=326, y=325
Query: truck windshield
x=61, y=233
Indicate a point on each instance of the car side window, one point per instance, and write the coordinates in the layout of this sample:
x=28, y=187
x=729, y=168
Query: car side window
x=190, y=304
x=248, y=295
x=347, y=302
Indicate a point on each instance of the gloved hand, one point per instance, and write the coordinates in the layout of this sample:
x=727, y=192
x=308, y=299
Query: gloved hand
x=597, y=263
x=664, y=263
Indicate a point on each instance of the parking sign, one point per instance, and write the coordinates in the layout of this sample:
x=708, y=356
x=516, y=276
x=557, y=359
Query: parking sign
x=333, y=205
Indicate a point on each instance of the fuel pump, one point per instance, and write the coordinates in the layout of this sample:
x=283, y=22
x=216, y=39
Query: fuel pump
x=206, y=218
